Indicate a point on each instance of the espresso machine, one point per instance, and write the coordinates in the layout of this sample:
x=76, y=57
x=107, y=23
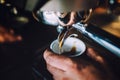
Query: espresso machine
x=89, y=30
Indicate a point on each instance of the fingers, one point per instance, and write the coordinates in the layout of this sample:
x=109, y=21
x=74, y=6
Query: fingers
x=60, y=62
x=95, y=56
x=72, y=18
x=54, y=70
x=9, y=38
x=65, y=63
x=8, y=35
x=71, y=21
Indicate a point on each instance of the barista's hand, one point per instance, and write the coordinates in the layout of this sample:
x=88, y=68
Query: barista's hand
x=71, y=21
x=8, y=35
x=64, y=68
x=72, y=18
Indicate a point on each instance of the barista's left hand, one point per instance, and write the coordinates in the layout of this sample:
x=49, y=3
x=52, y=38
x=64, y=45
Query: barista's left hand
x=7, y=35
x=64, y=68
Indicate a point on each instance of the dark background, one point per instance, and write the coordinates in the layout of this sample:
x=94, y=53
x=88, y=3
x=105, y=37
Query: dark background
x=17, y=58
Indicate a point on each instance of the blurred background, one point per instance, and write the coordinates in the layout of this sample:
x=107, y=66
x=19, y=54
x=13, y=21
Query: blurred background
x=22, y=37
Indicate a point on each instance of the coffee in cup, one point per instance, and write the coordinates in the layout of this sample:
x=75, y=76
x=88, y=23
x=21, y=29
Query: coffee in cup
x=72, y=47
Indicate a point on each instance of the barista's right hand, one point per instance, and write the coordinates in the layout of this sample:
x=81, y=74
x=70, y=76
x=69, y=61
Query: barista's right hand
x=64, y=68
x=71, y=21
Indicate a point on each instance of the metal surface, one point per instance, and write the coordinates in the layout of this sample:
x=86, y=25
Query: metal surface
x=103, y=38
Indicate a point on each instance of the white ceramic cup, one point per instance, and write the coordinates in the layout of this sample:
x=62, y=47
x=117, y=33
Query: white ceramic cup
x=68, y=45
